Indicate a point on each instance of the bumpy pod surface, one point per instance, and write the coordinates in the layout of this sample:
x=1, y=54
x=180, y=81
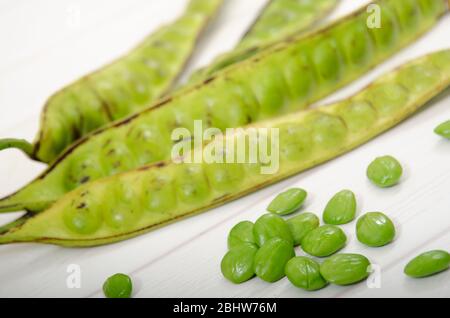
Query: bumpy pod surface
x=280, y=19
x=286, y=78
x=129, y=204
x=283, y=18
x=121, y=88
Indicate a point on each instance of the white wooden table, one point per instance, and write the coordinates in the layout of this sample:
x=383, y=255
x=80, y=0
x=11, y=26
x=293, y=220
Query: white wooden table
x=46, y=44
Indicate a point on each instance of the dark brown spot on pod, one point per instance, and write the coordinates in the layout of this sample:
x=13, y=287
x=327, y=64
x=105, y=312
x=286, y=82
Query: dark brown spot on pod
x=85, y=179
x=81, y=206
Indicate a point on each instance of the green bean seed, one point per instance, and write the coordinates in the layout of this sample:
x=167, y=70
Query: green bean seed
x=375, y=229
x=238, y=264
x=301, y=225
x=241, y=233
x=271, y=259
x=304, y=273
x=345, y=269
x=83, y=219
x=324, y=241
x=118, y=286
x=270, y=226
x=385, y=171
x=443, y=130
x=428, y=264
x=288, y=202
x=341, y=209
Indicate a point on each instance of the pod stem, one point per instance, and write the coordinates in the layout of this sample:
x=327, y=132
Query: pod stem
x=20, y=144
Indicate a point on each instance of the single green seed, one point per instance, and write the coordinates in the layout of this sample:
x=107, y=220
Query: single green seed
x=358, y=114
x=345, y=269
x=443, y=130
x=295, y=142
x=237, y=264
x=270, y=226
x=385, y=171
x=375, y=229
x=301, y=225
x=288, y=202
x=82, y=221
x=271, y=259
x=419, y=77
x=304, y=273
x=241, y=233
x=341, y=209
x=428, y=264
x=324, y=241
x=118, y=286
x=328, y=131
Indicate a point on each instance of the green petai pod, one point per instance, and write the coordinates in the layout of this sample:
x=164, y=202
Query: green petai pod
x=280, y=19
x=121, y=88
x=279, y=81
x=129, y=204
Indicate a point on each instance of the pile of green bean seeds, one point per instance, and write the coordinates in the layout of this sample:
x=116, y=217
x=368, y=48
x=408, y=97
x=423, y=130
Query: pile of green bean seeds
x=266, y=248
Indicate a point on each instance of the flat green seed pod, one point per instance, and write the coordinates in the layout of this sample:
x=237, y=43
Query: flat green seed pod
x=152, y=198
x=123, y=87
x=253, y=95
x=279, y=20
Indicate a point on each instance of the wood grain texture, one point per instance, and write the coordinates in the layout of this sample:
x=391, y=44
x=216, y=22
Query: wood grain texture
x=182, y=260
